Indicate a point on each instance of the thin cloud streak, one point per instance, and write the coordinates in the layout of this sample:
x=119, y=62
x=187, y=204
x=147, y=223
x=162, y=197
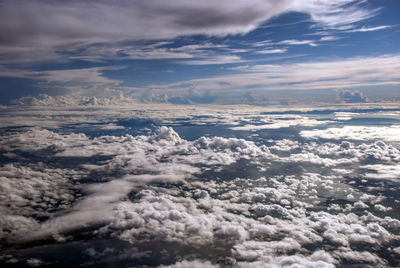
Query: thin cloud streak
x=363, y=71
x=370, y=29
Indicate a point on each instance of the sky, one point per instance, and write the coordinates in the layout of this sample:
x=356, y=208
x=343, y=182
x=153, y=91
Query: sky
x=190, y=52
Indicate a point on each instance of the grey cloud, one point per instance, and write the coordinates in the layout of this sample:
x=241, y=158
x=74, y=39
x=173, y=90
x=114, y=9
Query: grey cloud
x=44, y=100
x=351, y=96
x=78, y=81
x=72, y=24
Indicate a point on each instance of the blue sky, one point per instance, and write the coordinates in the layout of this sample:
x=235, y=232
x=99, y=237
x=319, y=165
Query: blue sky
x=198, y=52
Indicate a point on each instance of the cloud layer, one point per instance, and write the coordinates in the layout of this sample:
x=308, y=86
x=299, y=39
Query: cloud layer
x=74, y=22
x=224, y=200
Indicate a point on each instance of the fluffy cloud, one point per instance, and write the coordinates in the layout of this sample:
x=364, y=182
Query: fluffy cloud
x=71, y=100
x=208, y=201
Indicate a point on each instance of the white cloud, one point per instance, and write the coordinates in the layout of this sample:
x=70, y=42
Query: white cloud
x=391, y=133
x=337, y=14
x=333, y=74
x=298, y=42
x=158, y=187
x=220, y=59
x=383, y=172
x=289, y=121
x=272, y=51
x=329, y=38
x=193, y=263
x=370, y=29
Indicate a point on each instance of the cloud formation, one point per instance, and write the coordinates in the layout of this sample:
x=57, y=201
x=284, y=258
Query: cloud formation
x=333, y=74
x=73, y=24
x=224, y=200
x=351, y=96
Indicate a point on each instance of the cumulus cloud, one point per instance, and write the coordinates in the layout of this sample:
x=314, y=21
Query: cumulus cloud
x=208, y=201
x=352, y=96
x=45, y=100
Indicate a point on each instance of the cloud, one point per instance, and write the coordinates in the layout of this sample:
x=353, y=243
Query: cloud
x=68, y=80
x=194, y=97
x=298, y=42
x=330, y=74
x=193, y=263
x=355, y=133
x=370, y=29
x=220, y=59
x=193, y=194
x=329, y=38
x=382, y=172
x=352, y=96
x=283, y=122
x=338, y=14
x=272, y=51
x=45, y=100
x=67, y=26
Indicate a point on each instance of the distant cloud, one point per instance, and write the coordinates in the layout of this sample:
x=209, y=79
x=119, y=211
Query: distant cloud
x=329, y=38
x=311, y=43
x=71, y=100
x=68, y=80
x=370, y=29
x=352, y=96
x=333, y=74
x=218, y=59
x=272, y=51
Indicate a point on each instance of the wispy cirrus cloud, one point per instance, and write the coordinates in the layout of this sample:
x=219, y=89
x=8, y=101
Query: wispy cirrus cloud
x=219, y=59
x=295, y=42
x=370, y=29
x=272, y=51
x=76, y=80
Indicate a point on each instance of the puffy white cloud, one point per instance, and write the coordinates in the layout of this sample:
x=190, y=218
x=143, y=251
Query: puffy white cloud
x=161, y=187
